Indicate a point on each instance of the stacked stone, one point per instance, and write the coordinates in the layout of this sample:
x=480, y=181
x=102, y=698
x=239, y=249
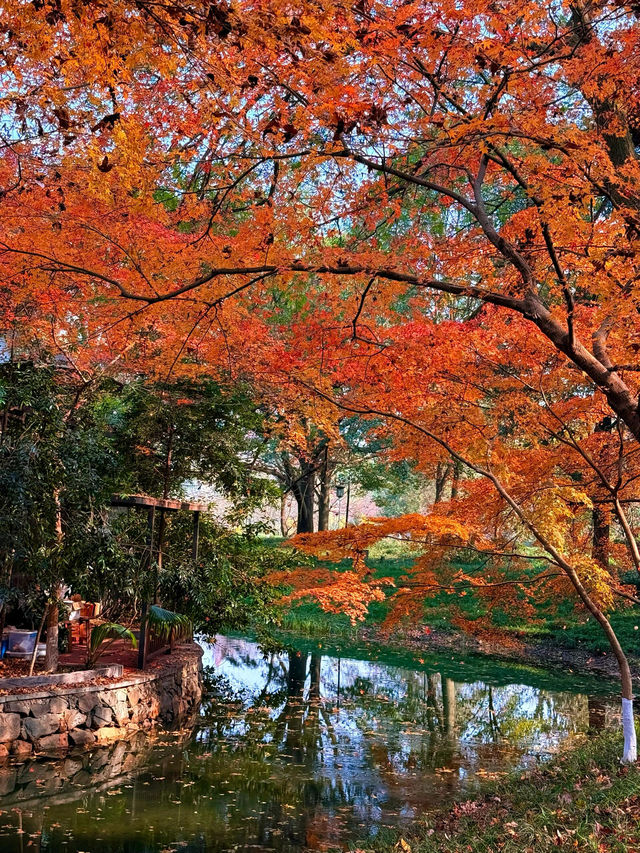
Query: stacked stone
x=90, y=715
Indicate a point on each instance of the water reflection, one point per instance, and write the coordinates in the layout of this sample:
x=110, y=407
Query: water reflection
x=304, y=751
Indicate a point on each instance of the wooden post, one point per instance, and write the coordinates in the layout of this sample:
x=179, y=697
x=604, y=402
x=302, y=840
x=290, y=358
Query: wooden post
x=158, y=562
x=142, y=640
x=196, y=533
x=151, y=523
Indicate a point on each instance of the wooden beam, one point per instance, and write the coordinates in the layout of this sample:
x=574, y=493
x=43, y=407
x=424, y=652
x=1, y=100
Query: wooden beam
x=167, y=504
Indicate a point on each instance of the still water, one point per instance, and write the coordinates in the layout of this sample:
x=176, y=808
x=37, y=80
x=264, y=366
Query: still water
x=304, y=749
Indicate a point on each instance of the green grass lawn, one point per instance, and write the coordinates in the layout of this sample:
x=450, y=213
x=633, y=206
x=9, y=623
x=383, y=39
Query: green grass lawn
x=582, y=801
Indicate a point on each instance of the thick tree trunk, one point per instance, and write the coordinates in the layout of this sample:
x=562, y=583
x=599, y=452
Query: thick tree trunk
x=442, y=475
x=303, y=491
x=324, y=491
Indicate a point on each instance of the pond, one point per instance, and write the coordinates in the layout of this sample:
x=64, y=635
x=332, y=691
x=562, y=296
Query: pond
x=303, y=749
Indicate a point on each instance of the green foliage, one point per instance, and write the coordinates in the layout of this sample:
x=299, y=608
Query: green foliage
x=172, y=434
x=57, y=469
x=115, y=571
x=165, y=621
x=225, y=588
x=395, y=487
x=66, y=448
x=585, y=634
x=395, y=551
x=103, y=636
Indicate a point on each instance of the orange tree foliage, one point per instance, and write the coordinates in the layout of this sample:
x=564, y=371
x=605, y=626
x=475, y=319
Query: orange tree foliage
x=536, y=457
x=164, y=153
x=428, y=213
x=352, y=591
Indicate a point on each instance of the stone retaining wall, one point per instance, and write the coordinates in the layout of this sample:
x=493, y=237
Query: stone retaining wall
x=81, y=716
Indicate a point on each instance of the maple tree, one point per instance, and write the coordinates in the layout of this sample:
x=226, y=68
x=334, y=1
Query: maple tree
x=537, y=462
x=444, y=197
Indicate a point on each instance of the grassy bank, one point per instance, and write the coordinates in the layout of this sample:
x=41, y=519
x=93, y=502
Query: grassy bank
x=564, y=627
x=582, y=801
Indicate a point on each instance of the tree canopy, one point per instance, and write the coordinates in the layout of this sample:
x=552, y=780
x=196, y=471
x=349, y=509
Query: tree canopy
x=423, y=214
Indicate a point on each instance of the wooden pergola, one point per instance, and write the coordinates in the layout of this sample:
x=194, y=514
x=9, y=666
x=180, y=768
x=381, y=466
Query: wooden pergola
x=152, y=506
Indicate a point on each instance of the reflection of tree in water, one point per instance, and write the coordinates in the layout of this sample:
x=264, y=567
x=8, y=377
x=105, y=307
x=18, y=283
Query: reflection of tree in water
x=404, y=726
x=418, y=722
x=280, y=747
x=519, y=716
